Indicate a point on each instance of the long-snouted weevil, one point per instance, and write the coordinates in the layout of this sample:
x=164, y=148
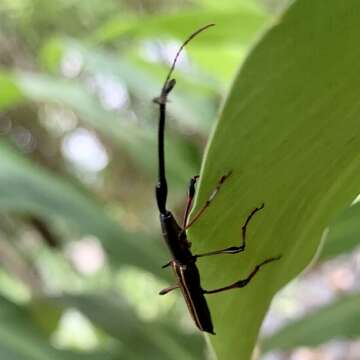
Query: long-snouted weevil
x=183, y=261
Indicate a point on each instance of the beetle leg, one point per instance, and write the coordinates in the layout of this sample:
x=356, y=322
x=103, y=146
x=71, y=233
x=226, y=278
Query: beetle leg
x=243, y=228
x=190, y=198
x=208, y=202
x=235, y=249
x=243, y=282
x=168, y=289
x=229, y=250
x=167, y=264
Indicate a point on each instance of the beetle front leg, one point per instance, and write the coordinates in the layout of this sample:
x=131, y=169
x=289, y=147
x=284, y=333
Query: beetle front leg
x=243, y=282
x=190, y=198
x=235, y=249
x=208, y=202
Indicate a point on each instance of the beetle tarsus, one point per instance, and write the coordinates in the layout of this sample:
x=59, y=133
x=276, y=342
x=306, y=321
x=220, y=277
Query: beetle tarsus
x=244, y=227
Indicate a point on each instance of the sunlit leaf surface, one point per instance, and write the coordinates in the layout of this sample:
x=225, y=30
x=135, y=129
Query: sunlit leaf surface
x=290, y=133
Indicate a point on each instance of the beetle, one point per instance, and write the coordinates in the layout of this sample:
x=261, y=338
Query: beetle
x=183, y=261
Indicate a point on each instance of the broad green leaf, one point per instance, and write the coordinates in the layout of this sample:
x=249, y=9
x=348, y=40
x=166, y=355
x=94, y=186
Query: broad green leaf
x=344, y=233
x=151, y=340
x=237, y=25
x=290, y=133
x=28, y=188
x=340, y=319
x=20, y=339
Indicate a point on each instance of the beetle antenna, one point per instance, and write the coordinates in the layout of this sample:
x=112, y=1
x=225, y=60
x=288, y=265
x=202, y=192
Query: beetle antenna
x=194, y=34
x=161, y=187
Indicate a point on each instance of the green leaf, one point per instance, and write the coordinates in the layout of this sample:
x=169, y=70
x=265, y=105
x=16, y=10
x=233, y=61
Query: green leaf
x=344, y=233
x=180, y=23
x=290, y=133
x=340, y=319
x=28, y=188
x=20, y=339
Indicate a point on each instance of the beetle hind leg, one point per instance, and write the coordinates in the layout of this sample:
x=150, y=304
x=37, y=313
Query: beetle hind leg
x=168, y=289
x=167, y=264
x=235, y=249
x=243, y=282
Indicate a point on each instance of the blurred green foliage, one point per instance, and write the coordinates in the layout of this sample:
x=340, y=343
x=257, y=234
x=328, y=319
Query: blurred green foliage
x=78, y=225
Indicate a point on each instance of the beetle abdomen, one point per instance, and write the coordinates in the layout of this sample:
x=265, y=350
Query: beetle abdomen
x=189, y=281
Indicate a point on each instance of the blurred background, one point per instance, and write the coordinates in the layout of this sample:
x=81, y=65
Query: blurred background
x=80, y=245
